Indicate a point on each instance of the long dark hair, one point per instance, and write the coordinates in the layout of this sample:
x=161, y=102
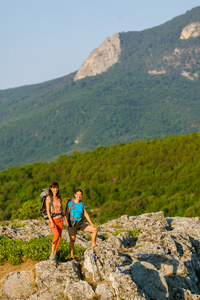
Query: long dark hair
x=54, y=184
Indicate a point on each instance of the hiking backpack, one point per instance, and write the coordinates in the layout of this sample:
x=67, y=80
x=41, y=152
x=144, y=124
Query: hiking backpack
x=43, y=196
x=70, y=217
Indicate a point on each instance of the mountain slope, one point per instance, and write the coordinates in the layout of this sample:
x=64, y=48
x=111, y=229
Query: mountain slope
x=152, y=91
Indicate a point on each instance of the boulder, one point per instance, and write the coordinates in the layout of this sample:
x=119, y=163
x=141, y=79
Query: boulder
x=18, y=284
x=78, y=290
x=104, y=291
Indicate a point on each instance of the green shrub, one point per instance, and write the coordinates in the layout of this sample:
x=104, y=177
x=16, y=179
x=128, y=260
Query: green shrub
x=134, y=232
x=28, y=211
x=89, y=237
x=17, y=225
x=13, y=251
x=115, y=226
x=117, y=232
x=10, y=250
x=37, y=249
x=104, y=236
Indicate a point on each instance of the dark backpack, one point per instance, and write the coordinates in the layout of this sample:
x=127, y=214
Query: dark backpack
x=43, y=196
x=70, y=215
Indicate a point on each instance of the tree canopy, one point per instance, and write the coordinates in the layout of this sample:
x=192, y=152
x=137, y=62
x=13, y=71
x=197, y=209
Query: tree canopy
x=134, y=178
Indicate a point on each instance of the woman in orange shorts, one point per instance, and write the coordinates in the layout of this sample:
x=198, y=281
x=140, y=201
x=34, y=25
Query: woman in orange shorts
x=55, y=214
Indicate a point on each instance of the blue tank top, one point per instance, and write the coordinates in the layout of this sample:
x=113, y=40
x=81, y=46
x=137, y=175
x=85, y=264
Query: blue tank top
x=77, y=210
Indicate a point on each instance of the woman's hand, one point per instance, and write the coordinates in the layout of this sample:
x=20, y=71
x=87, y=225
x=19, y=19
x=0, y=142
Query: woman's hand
x=52, y=225
x=94, y=226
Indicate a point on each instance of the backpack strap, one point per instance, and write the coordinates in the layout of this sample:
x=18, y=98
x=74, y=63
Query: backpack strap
x=72, y=209
x=51, y=205
x=51, y=208
x=72, y=203
x=62, y=213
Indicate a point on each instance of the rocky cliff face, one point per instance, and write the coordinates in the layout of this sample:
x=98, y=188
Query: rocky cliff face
x=108, y=54
x=148, y=257
x=101, y=59
x=185, y=60
x=191, y=30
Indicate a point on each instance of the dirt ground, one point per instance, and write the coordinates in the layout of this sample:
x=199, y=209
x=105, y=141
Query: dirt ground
x=24, y=266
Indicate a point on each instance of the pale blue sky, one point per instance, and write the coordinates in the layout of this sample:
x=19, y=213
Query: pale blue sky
x=46, y=39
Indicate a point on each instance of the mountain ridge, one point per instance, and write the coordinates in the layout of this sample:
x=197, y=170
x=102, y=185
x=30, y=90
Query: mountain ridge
x=123, y=104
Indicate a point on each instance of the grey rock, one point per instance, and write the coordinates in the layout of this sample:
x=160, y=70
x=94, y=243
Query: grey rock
x=78, y=290
x=122, y=240
x=161, y=262
x=18, y=284
x=167, y=265
x=124, y=286
x=44, y=296
x=99, y=264
x=49, y=275
x=150, y=282
x=105, y=291
x=26, y=230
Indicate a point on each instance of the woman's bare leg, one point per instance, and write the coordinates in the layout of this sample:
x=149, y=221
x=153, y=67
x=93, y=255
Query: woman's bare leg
x=94, y=231
x=53, y=246
x=71, y=245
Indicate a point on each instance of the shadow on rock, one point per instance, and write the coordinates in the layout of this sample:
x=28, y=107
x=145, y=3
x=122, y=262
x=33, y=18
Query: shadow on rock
x=150, y=283
x=179, y=284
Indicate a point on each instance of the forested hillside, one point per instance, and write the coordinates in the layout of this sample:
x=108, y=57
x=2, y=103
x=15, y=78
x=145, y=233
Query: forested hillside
x=126, y=103
x=134, y=178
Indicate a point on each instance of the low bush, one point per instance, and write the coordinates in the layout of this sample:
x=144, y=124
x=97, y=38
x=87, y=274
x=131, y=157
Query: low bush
x=13, y=251
x=117, y=232
x=134, y=232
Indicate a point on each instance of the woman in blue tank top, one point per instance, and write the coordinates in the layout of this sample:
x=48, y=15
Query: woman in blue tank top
x=76, y=208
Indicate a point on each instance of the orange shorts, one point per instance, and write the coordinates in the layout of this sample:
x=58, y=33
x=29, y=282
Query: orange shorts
x=57, y=231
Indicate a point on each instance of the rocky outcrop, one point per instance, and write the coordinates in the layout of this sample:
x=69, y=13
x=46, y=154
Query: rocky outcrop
x=157, y=72
x=25, y=230
x=138, y=257
x=101, y=59
x=185, y=61
x=191, y=30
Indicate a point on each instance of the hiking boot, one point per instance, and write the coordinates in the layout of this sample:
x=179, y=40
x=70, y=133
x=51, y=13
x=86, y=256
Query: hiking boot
x=52, y=257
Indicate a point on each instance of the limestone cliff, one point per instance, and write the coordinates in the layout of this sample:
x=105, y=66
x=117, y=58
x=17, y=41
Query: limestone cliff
x=101, y=59
x=191, y=30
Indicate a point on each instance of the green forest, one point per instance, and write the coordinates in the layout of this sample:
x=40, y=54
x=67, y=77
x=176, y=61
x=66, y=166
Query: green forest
x=134, y=178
